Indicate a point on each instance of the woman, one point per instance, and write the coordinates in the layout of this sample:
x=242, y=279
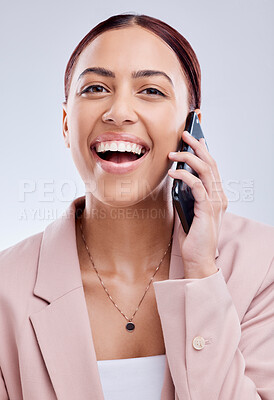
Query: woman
x=80, y=316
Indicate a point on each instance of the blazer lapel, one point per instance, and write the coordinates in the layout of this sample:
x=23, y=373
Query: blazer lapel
x=62, y=327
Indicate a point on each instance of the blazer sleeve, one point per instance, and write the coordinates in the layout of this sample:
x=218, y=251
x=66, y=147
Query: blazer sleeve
x=234, y=360
x=3, y=391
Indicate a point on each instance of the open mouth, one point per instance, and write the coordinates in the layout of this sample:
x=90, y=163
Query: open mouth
x=119, y=157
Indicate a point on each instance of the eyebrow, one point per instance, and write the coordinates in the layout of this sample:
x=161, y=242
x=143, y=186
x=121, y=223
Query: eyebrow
x=135, y=74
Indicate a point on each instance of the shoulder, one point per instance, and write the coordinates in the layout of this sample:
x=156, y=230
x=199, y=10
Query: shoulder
x=26, y=248
x=237, y=224
x=19, y=262
x=247, y=235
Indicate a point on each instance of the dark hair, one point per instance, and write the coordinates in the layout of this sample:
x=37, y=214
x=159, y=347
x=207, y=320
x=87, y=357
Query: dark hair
x=173, y=38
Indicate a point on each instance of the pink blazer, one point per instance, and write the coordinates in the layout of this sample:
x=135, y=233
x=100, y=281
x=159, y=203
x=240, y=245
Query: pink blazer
x=46, y=345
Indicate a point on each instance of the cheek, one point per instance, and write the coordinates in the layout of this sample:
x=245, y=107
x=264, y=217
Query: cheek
x=82, y=119
x=161, y=124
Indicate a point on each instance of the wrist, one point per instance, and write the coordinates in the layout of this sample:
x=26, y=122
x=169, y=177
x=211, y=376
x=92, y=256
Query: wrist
x=199, y=273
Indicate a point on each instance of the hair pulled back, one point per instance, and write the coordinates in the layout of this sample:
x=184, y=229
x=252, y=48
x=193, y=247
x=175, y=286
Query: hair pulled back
x=186, y=55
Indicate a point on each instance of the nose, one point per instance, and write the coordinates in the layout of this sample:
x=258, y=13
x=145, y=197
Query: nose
x=120, y=112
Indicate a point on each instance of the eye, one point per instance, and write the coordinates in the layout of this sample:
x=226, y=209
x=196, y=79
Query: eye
x=89, y=89
x=155, y=90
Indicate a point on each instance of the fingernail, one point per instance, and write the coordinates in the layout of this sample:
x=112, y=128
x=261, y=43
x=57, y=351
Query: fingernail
x=172, y=153
x=187, y=133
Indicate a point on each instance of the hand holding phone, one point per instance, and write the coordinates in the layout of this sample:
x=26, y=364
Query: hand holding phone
x=198, y=240
x=183, y=199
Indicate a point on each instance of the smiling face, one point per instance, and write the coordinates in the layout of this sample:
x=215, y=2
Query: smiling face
x=152, y=110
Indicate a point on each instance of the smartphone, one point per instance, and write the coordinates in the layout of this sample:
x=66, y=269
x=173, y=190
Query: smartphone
x=183, y=199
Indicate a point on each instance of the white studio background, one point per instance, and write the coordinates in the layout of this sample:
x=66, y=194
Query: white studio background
x=234, y=42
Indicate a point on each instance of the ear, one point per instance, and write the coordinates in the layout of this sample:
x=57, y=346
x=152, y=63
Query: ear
x=198, y=112
x=65, y=125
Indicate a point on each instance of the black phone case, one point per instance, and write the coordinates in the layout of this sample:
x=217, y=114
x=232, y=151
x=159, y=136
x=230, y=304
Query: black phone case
x=183, y=199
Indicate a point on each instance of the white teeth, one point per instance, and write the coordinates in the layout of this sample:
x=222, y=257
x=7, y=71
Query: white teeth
x=99, y=148
x=120, y=146
x=113, y=146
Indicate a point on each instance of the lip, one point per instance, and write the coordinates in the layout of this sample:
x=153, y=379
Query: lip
x=127, y=137
x=114, y=168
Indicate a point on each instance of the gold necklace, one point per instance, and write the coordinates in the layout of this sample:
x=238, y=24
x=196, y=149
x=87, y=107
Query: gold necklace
x=130, y=326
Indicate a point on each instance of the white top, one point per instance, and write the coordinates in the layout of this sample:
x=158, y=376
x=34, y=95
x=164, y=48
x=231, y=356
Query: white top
x=133, y=378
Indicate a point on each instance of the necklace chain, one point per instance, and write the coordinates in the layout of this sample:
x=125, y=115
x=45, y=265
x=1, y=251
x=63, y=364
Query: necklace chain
x=102, y=283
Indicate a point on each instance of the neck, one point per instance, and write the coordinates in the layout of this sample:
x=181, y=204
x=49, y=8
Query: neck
x=128, y=242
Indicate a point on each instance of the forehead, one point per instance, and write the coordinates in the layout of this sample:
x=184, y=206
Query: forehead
x=127, y=49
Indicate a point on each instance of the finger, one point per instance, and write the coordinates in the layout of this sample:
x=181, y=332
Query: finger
x=197, y=188
x=199, y=147
x=201, y=168
x=201, y=151
x=202, y=140
x=218, y=181
x=206, y=176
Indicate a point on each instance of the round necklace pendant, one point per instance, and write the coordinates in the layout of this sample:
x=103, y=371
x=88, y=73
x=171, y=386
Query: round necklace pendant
x=130, y=327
